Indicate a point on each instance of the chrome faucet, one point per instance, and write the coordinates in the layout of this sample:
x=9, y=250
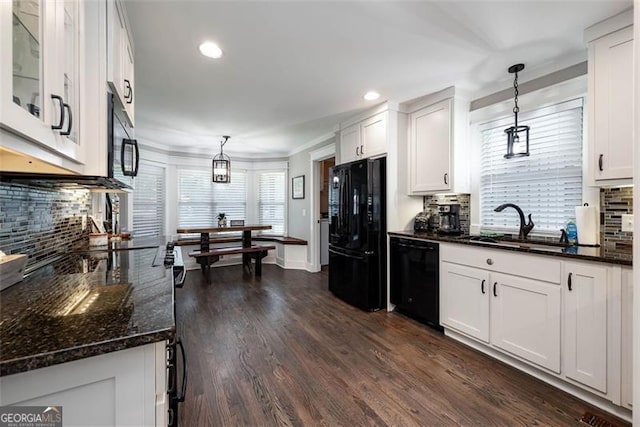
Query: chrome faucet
x=524, y=228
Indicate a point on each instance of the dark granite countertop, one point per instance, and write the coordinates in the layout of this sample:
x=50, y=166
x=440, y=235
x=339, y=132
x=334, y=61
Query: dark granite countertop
x=584, y=253
x=84, y=305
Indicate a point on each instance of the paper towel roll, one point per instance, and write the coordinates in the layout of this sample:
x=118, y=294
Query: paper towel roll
x=586, y=222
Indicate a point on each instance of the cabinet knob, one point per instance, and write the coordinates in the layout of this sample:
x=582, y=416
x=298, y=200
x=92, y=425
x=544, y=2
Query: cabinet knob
x=489, y=261
x=410, y=299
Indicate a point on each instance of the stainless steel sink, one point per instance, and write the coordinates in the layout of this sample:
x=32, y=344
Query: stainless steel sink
x=518, y=244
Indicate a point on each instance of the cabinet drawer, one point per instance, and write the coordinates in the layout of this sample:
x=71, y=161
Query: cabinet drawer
x=526, y=265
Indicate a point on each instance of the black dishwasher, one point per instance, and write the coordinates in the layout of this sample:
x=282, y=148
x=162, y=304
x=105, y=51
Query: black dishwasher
x=415, y=280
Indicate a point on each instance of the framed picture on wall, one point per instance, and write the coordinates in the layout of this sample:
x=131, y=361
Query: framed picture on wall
x=297, y=187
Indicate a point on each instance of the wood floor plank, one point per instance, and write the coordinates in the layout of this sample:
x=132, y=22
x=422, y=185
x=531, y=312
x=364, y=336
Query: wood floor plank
x=282, y=350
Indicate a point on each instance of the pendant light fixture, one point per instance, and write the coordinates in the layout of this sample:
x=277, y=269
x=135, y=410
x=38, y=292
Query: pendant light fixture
x=517, y=136
x=222, y=165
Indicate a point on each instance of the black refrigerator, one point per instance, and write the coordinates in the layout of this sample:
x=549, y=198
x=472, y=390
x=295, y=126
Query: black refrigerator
x=357, y=227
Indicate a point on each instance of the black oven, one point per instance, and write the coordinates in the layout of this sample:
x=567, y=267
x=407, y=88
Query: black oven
x=171, y=257
x=123, y=155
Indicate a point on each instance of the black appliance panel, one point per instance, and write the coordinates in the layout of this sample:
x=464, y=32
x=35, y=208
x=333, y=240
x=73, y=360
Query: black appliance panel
x=415, y=275
x=123, y=156
x=357, y=247
x=353, y=278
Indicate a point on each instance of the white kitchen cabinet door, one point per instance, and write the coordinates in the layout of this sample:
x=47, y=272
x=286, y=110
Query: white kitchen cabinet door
x=120, y=69
x=627, y=338
x=464, y=300
x=39, y=80
x=611, y=105
x=373, y=133
x=122, y=388
x=430, y=148
x=525, y=319
x=350, y=143
x=585, y=324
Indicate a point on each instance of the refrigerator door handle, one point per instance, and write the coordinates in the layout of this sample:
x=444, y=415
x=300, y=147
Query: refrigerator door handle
x=359, y=258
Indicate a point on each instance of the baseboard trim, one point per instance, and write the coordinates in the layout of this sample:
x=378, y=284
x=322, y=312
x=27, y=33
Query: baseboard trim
x=576, y=391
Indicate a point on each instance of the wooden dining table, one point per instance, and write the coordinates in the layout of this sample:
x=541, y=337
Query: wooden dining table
x=207, y=256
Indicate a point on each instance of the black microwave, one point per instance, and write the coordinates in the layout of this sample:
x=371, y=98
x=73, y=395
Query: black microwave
x=123, y=153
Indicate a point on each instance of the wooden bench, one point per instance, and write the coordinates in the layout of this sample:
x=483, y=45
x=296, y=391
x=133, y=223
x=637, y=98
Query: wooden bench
x=257, y=252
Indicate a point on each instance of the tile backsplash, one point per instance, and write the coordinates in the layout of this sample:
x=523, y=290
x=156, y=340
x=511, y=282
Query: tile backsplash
x=41, y=223
x=615, y=202
x=431, y=203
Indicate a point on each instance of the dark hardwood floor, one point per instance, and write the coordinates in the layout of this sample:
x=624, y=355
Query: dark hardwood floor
x=282, y=350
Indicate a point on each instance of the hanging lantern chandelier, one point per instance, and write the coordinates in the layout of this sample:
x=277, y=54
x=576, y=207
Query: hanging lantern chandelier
x=517, y=136
x=222, y=165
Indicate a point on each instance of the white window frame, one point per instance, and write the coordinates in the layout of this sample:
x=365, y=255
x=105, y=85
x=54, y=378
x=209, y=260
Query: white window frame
x=162, y=201
x=253, y=170
x=548, y=96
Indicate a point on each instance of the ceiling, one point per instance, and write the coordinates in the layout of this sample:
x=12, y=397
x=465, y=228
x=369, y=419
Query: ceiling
x=292, y=70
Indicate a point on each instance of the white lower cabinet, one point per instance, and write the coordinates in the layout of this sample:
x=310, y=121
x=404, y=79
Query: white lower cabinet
x=571, y=320
x=464, y=301
x=626, y=370
x=585, y=324
x=525, y=319
x=123, y=388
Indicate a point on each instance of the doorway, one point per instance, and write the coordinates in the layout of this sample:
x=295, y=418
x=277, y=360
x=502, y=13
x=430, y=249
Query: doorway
x=325, y=166
x=318, y=192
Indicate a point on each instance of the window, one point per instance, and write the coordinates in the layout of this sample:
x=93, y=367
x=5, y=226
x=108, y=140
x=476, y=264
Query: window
x=547, y=184
x=200, y=200
x=272, y=201
x=148, y=201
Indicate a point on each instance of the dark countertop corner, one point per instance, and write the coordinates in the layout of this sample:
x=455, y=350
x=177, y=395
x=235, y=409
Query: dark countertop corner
x=82, y=305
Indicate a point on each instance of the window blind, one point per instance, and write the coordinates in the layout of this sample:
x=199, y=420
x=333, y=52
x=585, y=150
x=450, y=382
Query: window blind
x=272, y=201
x=200, y=200
x=547, y=183
x=149, y=201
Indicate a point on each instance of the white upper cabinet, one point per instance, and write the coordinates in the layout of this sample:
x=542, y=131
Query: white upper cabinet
x=120, y=61
x=364, y=139
x=40, y=73
x=374, y=136
x=437, y=144
x=611, y=107
x=350, y=143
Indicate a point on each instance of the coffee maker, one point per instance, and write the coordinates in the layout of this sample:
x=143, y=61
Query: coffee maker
x=449, y=219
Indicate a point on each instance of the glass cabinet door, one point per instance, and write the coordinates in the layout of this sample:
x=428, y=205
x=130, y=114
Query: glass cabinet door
x=27, y=55
x=70, y=67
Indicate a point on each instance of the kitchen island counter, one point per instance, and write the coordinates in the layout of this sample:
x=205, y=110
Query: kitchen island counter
x=85, y=305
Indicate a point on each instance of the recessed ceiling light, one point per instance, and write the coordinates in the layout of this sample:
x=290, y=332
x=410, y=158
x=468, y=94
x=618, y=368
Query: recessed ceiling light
x=211, y=50
x=371, y=95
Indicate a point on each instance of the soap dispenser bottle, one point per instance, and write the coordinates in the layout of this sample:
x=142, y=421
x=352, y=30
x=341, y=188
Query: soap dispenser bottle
x=572, y=232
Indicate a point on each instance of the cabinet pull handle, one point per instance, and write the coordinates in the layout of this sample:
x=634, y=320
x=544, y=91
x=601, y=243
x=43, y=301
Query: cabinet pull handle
x=127, y=85
x=569, y=282
x=600, y=162
x=495, y=293
x=482, y=287
x=68, y=131
x=59, y=125
x=446, y=178
x=362, y=150
x=130, y=100
x=357, y=148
